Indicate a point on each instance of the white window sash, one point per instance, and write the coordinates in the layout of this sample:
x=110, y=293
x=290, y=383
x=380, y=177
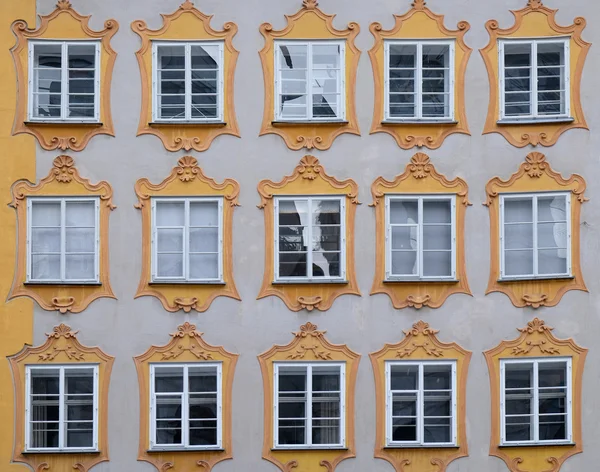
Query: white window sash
x=419, y=228
x=186, y=243
x=534, y=197
x=63, y=239
x=61, y=408
x=418, y=81
x=309, y=77
x=420, y=442
x=64, y=89
x=309, y=228
x=188, y=82
x=308, y=425
x=535, y=362
x=185, y=397
x=535, y=116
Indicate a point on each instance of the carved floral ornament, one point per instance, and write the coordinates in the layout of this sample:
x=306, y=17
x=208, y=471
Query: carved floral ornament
x=420, y=23
x=64, y=23
x=61, y=348
x=62, y=180
x=535, y=21
x=420, y=343
x=420, y=177
x=535, y=175
x=187, y=23
x=187, y=180
x=186, y=346
x=309, y=344
x=309, y=23
x=536, y=340
x=309, y=178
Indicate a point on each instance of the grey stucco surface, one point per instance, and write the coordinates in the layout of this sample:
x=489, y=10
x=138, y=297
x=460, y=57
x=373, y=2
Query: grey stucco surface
x=126, y=327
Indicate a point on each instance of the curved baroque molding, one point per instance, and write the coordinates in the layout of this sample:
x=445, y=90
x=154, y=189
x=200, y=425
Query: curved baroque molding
x=186, y=346
x=63, y=180
x=309, y=23
x=308, y=345
x=66, y=24
x=309, y=178
x=420, y=23
x=535, y=175
x=420, y=178
x=187, y=180
x=62, y=347
x=420, y=343
x=536, y=340
x=535, y=21
x=187, y=23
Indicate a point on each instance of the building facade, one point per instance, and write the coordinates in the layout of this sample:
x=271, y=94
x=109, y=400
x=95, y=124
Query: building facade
x=250, y=236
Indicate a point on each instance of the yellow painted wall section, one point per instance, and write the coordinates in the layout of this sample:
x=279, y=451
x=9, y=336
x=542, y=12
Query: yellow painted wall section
x=18, y=162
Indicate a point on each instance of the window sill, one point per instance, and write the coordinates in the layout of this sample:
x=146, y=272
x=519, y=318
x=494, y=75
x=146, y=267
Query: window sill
x=421, y=446
x=309, y=448
x=33, y=283
x=533, y=279
x=309, y=122
x=187, y=282
x=540, y=444
x=535, y=121
x=309, y=281
x=159, y=450
x=63, y=451
x=414, y=121
x=63, y=122
x=187, y=123
x=424, y=281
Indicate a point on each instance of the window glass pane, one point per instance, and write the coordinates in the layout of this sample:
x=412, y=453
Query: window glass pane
x=517, y=79
x=171, y=81
x=551, y=78
x=292, y=402
x=404, y=377
x=80, y=214
x=45, y=240
x=326, y=75
x=204, y=214
x=293, y=63
x=326, y=408
x=47, y=80
x=44, y=417
x=203, y=405
x=170, y=213
x=168, y=419
x=82, y=62
x=436, y=80
x=402, y=71
x=404, y=212
x=45, y=213
x=80, y=267
x=45, y=267
x=79, y=407
x=168, y=379
x=437, y=406
x=169, y=240
x=552, y=235
x=204, y=240
x=293, y=235
x=437, y=263
x=518, y=385
x=204, y=266
x=518, y=236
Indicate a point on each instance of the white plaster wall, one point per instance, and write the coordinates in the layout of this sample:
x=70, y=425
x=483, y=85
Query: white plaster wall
x=127, y=327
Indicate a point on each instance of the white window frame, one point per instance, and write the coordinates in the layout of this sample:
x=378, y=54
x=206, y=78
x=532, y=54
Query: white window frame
x=186, y=242
x=420, y=405
x=309, y=256
x=309, y=80
x=569, y=223
x=535, y=401
x=535, y=116
x=308, y=425
x=185, y=395
x=188, y=82
x=418, y=80
x=63, y=239
x=64, y=90
x=389, y=198
x=62, y=425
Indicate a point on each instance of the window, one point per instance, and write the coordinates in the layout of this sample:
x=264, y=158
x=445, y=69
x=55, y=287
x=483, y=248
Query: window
x=420, y=237
x=309, y=405
x=535, y=235
x=421, y=403
x=536, y=401
x=310, y=83
x=419, y=80
x=188, y=81
x=186, y=406
x=63, y=240
x=64, y=81
x=310, y=238
x=62, y=408
x=187, y=239
x=534, y=79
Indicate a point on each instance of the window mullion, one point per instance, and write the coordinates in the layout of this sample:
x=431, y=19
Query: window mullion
x=309, y=245
x=61, y=408
x=63, y=240
x=534, y=79
x=534, y=202
x=309, y=416
x=535, y=406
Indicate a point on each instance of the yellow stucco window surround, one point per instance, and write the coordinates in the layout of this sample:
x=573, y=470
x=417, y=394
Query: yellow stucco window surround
x=303, y=130
x=535, y=234
x=419, y=28
x=421, y=184
x=187, y=25
x=187, y=349
x=61, y=294
x=534, y=352
x=63, y=351
x=64, y=25
x=309, y=351
x=535, y=120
